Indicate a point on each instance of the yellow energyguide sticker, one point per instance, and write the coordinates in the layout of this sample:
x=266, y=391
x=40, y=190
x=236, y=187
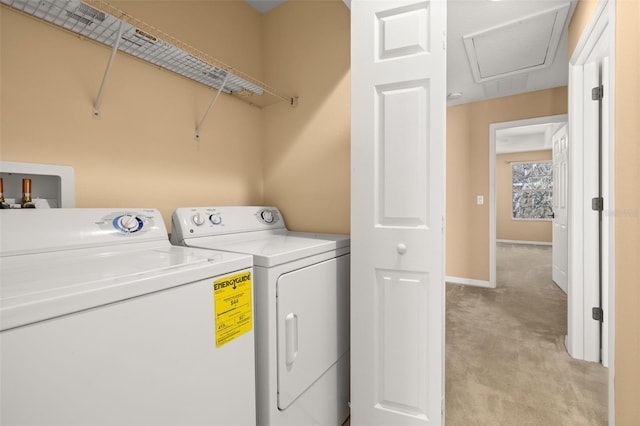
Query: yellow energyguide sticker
x=233, y=307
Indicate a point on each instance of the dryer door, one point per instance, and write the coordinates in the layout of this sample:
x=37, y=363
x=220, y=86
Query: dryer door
x=313, y=324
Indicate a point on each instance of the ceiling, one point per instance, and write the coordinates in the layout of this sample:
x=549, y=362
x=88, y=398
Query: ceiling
x=499, y=48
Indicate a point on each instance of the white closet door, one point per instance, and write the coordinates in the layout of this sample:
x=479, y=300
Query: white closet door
x=560, y=234
x=398, y=67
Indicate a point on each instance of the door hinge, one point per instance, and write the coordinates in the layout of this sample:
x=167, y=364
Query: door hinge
x=597, y=204
x=597, y=314
x=597, y=93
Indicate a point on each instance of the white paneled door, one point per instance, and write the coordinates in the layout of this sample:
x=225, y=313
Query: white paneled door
x=560, y=234
x=398, y=80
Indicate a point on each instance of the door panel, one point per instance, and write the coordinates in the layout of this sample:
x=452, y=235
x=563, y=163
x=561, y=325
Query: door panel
x=402, y=350
x=398, y=70
x=403, y=154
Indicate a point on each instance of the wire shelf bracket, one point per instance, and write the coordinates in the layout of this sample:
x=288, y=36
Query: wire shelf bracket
x=215, y=98
x=107, y=71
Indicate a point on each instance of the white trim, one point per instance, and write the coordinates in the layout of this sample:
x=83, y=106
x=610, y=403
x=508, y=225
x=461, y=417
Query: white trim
x=593, y=31
x=468, y=281
x=533, y=243
x=523, y=219
x=575, y=326
x=493, y=128
x=531, y=161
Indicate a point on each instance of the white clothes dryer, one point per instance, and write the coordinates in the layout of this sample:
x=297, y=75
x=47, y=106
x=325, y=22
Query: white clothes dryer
x=104, y=322
x=302, y=309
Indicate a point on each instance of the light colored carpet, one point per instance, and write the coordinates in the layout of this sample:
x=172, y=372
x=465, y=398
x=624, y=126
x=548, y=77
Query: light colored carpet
x=506, y=363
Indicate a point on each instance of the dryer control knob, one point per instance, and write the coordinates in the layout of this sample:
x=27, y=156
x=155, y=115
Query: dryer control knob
x=267, y=216
x=216, y=219
x=198, y=219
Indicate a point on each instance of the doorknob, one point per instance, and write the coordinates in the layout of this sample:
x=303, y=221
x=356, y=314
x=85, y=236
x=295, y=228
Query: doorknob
x=402, y=248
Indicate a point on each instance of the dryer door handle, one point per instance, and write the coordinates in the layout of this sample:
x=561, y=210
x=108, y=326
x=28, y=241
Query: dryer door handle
x=291, y=337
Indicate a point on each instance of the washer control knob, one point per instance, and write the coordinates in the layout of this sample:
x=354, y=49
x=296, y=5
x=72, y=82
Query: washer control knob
x=198, y=219
x=128, y=223
x=267, y=216
x=215, y=218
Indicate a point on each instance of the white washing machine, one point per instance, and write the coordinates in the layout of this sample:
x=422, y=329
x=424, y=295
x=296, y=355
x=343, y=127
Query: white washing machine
x=302, y=309
x=104, y=322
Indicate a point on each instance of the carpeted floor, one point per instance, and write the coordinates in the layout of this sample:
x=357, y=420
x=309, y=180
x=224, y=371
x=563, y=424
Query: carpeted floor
x=506, y=363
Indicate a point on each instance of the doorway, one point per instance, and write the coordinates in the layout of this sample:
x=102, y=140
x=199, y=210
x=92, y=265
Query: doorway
x=524, y=137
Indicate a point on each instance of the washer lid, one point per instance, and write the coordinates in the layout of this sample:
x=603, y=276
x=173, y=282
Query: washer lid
x=271, y=248
x=37, y=287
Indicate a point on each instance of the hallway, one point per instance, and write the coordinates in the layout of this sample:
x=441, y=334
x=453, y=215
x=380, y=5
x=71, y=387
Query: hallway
x=506, y=363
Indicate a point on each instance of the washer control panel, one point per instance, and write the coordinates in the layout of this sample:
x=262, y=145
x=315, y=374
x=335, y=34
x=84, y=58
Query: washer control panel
x=74, y=228
x=129, y=222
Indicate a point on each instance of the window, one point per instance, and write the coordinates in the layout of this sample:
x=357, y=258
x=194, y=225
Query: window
x=532, y=190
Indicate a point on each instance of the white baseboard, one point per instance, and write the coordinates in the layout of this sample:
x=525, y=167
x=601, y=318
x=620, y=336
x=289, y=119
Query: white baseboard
x=535, y=243
x=469, y=281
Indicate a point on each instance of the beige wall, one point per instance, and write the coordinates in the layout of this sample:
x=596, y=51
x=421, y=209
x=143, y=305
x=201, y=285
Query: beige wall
x=627, y=201
x=142, y=151
x=627, y=214
x=307, y=148
x=460, y=208
x=468, y=172
x=506, y=227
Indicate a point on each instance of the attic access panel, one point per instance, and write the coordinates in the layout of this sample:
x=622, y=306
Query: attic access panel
x=519, y=46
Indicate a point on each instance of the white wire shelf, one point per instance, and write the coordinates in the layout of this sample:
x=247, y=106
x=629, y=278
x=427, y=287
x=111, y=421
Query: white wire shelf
x=102, y=22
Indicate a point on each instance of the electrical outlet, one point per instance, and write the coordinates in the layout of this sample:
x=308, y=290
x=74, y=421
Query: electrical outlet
x=480, y=200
